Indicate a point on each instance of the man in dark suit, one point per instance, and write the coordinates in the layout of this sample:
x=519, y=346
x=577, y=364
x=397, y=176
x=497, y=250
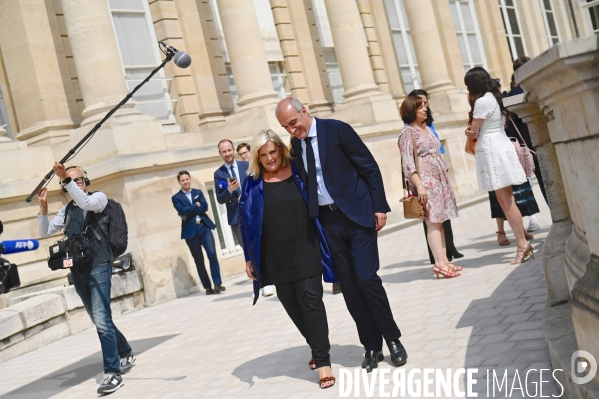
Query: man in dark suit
x=228, y=180
x=345, y=191
x=196, y=230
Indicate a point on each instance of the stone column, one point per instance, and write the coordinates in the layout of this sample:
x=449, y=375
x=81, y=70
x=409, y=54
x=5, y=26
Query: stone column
x=32, y=65
x=204, y=69
x=96, y=57
x=246, y=54
x=350, y=49
x=554, y=247
x=433, y=64
x=564, y=80
x=304, y=59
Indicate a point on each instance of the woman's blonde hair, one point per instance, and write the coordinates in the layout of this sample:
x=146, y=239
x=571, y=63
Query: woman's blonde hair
x=263, y=137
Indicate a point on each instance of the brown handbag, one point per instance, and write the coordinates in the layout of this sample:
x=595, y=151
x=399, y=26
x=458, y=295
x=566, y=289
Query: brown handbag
x=412, y=209
x=470, y=146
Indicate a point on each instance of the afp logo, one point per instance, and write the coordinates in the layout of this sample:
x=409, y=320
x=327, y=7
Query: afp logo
x=24, y=245
x=582, y=363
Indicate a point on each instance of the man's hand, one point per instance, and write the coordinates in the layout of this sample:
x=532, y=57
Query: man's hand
x=232, y=186
x=381, y=220
x=249, y=270
x=42, y=197
x=60, y=170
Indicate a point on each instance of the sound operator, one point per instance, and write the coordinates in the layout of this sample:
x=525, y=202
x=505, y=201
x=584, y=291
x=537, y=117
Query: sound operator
x=92, y=280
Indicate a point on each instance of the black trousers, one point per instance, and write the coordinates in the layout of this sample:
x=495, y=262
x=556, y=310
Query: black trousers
x=302, y=300
x=449, y=245
x=356, y=262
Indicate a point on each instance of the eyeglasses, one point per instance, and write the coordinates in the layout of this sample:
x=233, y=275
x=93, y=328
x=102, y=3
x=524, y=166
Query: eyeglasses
x=79, y=180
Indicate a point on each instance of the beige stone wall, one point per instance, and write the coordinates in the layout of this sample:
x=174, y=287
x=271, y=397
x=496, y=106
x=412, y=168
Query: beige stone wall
x=48, y=88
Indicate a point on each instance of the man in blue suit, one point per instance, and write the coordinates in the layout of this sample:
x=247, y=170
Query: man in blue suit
x=345, y=191
x=228, y=180
x=196, y=230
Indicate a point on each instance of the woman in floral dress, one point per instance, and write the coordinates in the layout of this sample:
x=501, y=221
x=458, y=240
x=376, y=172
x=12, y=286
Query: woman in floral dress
x=432, y=184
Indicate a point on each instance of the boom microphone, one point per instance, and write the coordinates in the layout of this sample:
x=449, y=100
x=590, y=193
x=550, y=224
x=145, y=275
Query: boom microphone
x=181, y=58
x=14, y=246
x=222, y=184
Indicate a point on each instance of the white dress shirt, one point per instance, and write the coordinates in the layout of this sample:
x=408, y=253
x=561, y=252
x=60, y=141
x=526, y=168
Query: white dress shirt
x=188, y=195
x=95, y=202
x=324, y=197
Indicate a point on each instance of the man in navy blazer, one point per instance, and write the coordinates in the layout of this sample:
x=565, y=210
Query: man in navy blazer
x=196, y=230
x=228, y=180
x=345, y=191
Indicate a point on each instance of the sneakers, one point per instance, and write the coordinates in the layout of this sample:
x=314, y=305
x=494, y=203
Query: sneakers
x=127, y=363
x=267, y=291
x=533, y=226
x=110, y=383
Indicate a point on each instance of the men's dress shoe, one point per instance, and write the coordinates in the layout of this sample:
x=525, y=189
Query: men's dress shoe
x=219, y=288
x=399, y=356
x=210, y=291
x=371, y=360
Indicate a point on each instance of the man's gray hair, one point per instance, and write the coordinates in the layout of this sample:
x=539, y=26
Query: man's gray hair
x=295, y=103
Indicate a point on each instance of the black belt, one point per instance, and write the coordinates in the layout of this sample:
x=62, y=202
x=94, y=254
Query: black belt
x=332, y=206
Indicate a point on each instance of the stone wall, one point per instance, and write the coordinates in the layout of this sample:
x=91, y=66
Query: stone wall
x=560, y=104
x=37, y=319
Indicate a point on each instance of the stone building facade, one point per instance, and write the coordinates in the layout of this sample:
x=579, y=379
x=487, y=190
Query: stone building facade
x=65, y=63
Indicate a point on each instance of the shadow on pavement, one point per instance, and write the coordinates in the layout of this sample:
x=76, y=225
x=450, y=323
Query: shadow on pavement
x=76, y=373
x=294, y=363
x=507, y=338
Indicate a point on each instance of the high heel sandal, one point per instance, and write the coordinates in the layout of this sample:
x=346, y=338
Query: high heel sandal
x=502, y=243
x=312, y=364
x=523, y=254
x=445, y=273
x=455, y=268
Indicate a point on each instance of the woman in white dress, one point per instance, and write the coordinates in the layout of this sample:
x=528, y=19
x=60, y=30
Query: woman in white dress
x=497, y=165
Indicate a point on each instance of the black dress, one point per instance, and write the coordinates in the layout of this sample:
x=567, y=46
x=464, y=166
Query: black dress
x=289, y=248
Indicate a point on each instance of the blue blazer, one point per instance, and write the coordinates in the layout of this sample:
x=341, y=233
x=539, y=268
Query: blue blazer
x=223, y=196
x=188, y=211
x=251, y=211
x=352, y=176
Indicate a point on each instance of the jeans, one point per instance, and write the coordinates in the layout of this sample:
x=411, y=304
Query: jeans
x=204, y=238
x=93, y=286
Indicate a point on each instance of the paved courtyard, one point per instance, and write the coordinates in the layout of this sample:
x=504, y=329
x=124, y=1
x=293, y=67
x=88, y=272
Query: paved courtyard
x=197, y=346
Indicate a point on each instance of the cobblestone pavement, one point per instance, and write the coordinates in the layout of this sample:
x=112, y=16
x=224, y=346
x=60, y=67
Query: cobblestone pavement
x=490, y=318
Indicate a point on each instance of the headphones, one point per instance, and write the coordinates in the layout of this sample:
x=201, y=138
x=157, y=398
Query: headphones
x=86, y=180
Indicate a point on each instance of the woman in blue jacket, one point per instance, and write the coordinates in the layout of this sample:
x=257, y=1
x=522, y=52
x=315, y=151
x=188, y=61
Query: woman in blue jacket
x=284, y=247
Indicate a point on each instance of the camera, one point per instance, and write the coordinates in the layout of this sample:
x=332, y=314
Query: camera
x=70, y=252
x=9, y=275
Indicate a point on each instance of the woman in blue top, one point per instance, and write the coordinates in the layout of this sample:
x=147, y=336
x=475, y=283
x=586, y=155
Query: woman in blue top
x=451, y=250
x=284, y=247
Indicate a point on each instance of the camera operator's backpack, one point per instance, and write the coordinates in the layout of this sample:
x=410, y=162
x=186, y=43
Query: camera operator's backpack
x=114, y=225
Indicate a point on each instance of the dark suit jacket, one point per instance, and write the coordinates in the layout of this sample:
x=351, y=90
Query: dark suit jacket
x=251, y=210
x=223, y=195
x=188, y=212
x=351, y=174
